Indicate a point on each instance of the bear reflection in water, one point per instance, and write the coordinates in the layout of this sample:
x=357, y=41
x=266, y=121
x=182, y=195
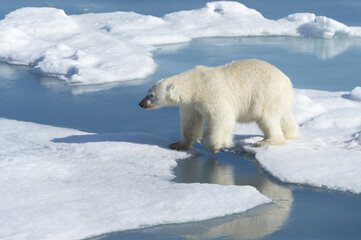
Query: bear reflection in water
x=253, y=224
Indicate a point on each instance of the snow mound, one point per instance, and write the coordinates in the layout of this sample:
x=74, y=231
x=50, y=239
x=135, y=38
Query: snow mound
x=108, y=47
x=355, y=94
x=328, y=154
x=58, y=183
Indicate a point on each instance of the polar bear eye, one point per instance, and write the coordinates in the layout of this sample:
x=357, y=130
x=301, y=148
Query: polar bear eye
x=151, y=95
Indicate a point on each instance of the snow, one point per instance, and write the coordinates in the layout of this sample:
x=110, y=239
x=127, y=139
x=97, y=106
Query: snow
x=58, y=183
x=356, y=94
x=328, y=154
x=98, y=48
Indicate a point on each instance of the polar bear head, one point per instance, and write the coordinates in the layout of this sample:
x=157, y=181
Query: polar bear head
x=174, y=91
x=162, y=94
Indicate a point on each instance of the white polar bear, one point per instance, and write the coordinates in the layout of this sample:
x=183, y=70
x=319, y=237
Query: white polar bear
x=241, y=91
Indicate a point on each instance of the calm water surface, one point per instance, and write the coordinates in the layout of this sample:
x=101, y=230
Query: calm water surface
x=298, y=212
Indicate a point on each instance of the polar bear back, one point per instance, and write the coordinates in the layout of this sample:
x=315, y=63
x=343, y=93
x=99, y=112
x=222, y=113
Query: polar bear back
x=247, y=88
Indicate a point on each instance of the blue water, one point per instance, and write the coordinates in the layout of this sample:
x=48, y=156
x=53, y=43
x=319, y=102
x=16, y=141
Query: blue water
x=299, y=212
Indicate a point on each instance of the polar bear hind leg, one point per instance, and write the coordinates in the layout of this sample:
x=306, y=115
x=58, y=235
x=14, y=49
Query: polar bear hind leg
x=272, y=130
x=289, y=126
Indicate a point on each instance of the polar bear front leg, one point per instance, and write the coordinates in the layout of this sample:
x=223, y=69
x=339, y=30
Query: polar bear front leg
x=191, y=128
x=219, y=133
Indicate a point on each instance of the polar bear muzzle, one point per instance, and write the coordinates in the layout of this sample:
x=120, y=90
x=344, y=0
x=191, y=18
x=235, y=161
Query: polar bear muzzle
x=146, y=103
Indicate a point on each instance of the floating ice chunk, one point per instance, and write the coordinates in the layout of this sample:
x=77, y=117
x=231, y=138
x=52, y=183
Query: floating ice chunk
x=58, y=183
x=328, y=154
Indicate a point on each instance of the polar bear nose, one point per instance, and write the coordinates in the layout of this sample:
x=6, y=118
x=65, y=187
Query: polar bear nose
x=145, y=103
x=142, y=103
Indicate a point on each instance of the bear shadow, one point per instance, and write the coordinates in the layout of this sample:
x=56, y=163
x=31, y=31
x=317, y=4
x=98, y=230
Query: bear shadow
x=129, y=137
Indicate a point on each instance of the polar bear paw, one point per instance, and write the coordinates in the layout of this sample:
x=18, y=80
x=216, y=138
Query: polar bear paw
x=179, y=146
x=266, y=142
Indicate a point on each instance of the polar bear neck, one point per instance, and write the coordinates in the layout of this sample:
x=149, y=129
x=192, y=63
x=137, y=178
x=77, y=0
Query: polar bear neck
x=183, y=87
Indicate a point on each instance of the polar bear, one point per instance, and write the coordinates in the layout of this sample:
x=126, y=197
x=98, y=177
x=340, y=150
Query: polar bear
x=241, y=91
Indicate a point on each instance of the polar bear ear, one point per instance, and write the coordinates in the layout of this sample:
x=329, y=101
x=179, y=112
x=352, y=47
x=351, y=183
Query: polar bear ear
x=173, y=93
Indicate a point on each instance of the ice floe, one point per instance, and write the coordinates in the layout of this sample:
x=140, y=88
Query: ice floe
x=97, y=48
x=328, y=154
x=58, y=183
